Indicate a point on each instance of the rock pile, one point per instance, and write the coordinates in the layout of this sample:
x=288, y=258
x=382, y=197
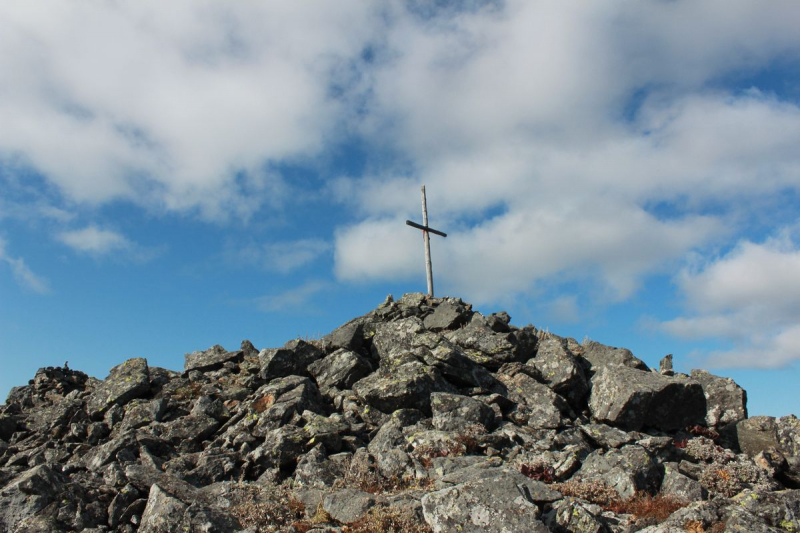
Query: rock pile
x=420, y=416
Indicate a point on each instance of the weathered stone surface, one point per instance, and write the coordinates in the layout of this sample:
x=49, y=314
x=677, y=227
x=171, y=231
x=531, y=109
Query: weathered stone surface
x=626, y=470
x=498, y=502
x=195, y=428
x=163, y=514
x=449, y=314
x=405, y=386
x=726, y=402
x=680, y=486
x=492, y=349
x=599, y=356
x=125, y=382
x=139, y=413
x=757, y=434
x=210, y=359
x=26, y=495
x=631, y=399
x=556, y=367
x=348, y=505
x=606, y=436
x=452, y=412
x=291, y=360
x=349, y=336
x=537, y=405
x=574, y=516
x=341, y=369
x=281, y=401
x=788, y=430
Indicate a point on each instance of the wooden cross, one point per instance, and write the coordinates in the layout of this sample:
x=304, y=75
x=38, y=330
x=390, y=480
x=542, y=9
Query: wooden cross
x=427, y=239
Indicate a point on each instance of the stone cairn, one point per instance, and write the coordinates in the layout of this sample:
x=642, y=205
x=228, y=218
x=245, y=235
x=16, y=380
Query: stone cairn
x=420, y=416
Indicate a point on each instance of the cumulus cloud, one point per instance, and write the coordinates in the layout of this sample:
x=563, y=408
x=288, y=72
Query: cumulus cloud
x=571, y=143
x=94, y=240
x=751, y=296
x=22, y=274
x=179, y=107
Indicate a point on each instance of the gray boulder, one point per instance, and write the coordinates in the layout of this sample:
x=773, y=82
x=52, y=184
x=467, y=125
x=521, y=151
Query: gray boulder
x=627, y=470
x=452, y=412
x=291, y=360
x=631, y=399
x=492, y=349
x=500, y=501
x=28, y=494
x=163, y=513
x=726, y=402
x=757, y=434
x=571, y=515
x=210, y=359
x=405, y=386
x=282, y=401
x=597, y=356
x=536, y=405
x=341, y=369
x=348, y=505
x=556, y=367
x=450, y=314
x=125, y=382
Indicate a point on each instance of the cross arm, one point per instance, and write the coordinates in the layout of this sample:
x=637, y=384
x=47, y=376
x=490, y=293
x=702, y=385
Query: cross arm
x=426, y=228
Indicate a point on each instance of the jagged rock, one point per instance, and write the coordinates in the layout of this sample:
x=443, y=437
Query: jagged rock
x=499, y=501
x=448, y=315
x=788, y=429
x=406, y=386
x=537, y=405
x=631, y=399
x=125, y=382
x=190, y=429
x=281, y=401
x=292, y=359
x=726, y=402
x=26, y=495
x=492, y=349
x=606, y=436
x=341, y=369
x=7, y=427
x=680, y=486
x=556, y=367
x=163, y=513
x=599, y=356
x=139, y=413
x=574, y=516
x=452, y=412
x=626, y=470
x=665, y=366
x=757, y=434
x=210, y=359
x=349, y=336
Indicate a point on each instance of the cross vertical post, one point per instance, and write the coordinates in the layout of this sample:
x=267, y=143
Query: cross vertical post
x=426, y=231
x=427, y=238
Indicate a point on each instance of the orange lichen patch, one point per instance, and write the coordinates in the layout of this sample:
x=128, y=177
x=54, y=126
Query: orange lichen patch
x=230, y=404
x=263, y=403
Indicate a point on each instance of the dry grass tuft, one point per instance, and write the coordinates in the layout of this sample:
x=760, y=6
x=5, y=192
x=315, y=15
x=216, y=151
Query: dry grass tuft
x=268, y=509
x=382, y=519
x=647, y=508
x=591, y=490
x=695, y=526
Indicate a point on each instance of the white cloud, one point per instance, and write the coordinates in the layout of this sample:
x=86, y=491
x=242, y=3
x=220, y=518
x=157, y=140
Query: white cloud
x=516, y=119
x=23, y=275
x=95, y=241
x=181, y=106
x=286, y=256
x=750, y=296
x=291, y=299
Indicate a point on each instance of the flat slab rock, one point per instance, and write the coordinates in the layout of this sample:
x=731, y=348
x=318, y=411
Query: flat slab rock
x=499, y=501
x=209, y=359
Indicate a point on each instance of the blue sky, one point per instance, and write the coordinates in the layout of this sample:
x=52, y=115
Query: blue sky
x=177, y=175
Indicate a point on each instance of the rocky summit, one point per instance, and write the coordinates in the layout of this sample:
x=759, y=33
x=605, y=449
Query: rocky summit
x=420, y=416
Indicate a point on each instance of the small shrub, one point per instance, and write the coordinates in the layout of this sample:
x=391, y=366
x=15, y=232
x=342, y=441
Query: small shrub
x=701, y=431
x=426, y=453
x=268, y=509
x=592, y=490
x=646, y=508
x=539, y=471
x=382, y=519
x=695, y=526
